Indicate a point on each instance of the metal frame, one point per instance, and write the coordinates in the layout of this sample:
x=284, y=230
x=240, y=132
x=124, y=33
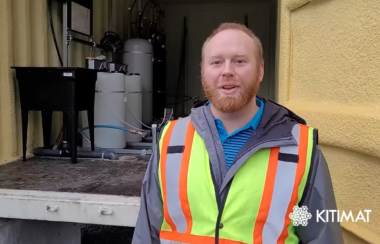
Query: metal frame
x=69, y=207
x=65, y=42
x=67, y=37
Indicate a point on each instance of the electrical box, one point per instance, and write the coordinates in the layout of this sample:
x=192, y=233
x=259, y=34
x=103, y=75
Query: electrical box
x=79, y=16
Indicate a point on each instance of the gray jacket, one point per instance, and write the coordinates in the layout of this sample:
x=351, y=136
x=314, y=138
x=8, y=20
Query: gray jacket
x=276, y=125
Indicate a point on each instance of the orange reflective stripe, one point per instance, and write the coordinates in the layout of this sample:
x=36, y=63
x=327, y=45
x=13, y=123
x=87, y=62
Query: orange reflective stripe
x=267, y=196
x=183, y=177
x=301, y=165
x=194, y=239
x=164, y=156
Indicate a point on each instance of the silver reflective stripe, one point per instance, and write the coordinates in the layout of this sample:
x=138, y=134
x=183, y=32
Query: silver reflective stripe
x=110, y=91
x=173, y=172
x=162, y=241
x=282, y=193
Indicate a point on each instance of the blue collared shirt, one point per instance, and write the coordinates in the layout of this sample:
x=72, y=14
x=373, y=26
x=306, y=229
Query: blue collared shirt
x=235, y=141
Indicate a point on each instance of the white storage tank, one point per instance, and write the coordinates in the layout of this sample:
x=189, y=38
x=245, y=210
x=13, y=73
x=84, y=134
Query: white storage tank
x=109, y=109
x=138, y=55
x=134, y=105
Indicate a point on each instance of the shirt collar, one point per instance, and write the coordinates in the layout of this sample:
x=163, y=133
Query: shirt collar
x=254, y=122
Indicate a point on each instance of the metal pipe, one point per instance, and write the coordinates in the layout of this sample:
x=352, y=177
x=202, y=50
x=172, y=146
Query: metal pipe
x=65, y=54
x=88, y=43
x=109, y=14
x=92, y=44
x=154, y=136
x=65, y=43
x=80, y=154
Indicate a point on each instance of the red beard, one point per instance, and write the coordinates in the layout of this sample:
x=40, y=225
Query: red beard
x=230, y=103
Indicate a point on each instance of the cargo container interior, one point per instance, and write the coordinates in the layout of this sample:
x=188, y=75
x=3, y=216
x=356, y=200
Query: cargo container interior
x=174, y=80
x=204, y=16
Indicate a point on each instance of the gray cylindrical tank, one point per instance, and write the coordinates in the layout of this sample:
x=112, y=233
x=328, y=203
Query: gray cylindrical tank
x=138, y=55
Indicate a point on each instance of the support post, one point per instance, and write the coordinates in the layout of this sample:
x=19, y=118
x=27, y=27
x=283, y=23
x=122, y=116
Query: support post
x=65, y=43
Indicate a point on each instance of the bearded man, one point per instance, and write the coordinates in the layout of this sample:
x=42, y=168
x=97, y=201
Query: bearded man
x=240, y=169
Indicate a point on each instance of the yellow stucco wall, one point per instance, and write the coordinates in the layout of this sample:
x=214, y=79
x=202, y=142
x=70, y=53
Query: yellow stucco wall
x=329, y=74
x=26, y=40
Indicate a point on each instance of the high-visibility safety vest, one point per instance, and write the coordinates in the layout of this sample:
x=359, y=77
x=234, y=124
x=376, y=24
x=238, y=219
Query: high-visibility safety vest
x=261, y=196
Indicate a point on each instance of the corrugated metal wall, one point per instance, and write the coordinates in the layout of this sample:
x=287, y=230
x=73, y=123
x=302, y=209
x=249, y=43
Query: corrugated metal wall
x=26, y=40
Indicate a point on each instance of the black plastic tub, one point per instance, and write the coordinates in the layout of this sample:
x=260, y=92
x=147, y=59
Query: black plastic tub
x=65, y=89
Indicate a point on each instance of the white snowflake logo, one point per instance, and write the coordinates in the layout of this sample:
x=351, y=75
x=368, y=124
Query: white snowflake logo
x=300, y=215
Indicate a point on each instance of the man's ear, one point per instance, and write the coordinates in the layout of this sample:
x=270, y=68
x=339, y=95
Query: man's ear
x=261, y=70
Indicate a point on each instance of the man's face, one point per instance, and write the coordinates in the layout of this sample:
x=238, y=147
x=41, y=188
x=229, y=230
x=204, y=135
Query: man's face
x=231, y=73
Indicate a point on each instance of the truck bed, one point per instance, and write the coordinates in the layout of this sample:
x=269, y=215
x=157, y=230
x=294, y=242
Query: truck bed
x=94, y=176
x=93, y=191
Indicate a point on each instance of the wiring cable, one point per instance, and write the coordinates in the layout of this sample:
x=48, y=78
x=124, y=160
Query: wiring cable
x=53, y=32
x=135, y=115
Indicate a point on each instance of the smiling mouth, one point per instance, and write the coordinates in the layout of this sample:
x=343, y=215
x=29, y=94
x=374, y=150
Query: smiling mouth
x=229, y=87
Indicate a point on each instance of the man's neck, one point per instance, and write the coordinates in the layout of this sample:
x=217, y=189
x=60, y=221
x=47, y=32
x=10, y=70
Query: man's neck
x=236, y=120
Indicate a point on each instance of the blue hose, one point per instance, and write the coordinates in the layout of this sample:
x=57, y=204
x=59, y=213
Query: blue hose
x=106, y=126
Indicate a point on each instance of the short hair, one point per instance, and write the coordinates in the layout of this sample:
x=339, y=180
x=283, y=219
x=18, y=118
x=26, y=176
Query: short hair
x=243, y=28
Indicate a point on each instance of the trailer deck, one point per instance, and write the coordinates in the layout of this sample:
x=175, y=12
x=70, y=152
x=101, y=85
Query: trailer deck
x=93, y=191
x=95, y=176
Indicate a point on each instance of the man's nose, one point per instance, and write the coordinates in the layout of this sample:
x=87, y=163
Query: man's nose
x=228, y=70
